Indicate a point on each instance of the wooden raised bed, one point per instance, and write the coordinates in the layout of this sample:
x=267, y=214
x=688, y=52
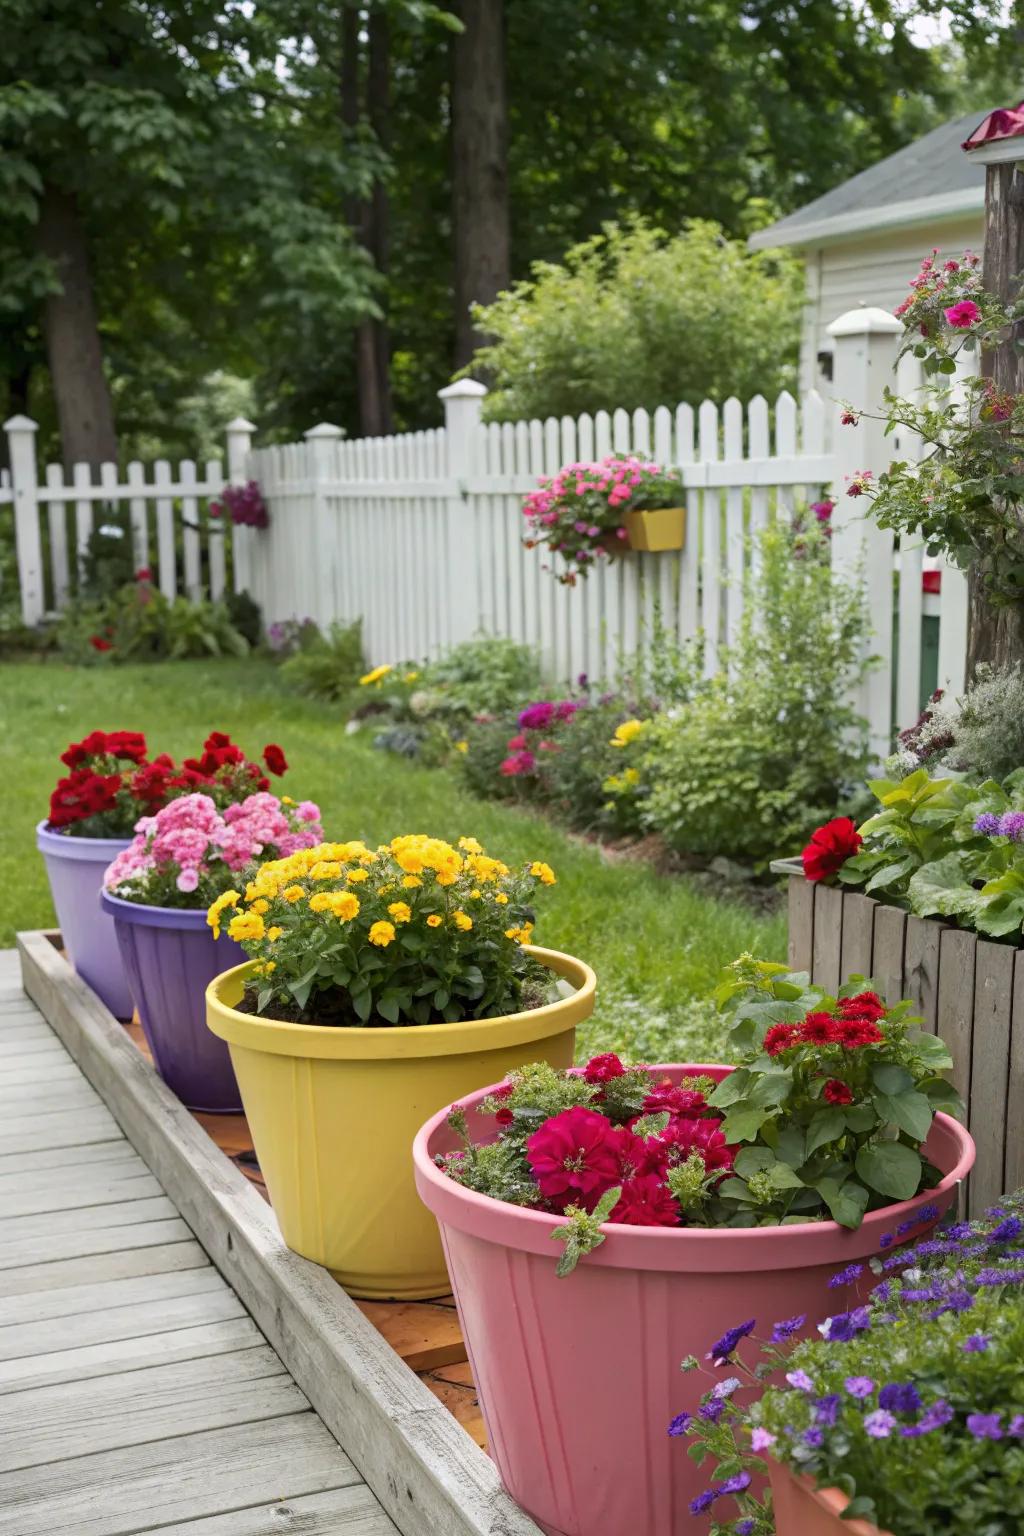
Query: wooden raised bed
x=969, y=990
x=390, y=1380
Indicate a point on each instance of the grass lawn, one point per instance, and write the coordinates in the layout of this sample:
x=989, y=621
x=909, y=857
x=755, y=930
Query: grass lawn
x=656, y=942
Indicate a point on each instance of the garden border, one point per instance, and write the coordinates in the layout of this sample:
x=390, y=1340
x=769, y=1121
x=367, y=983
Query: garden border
x=969, y=989
x=426, y=1471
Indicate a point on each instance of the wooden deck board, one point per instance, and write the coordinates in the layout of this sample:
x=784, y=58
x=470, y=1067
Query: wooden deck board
x=138, y=1394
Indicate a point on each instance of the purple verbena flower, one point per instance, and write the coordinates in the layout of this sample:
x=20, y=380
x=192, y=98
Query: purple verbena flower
x=880, y=1424
x=680, y=1424
x=786, y=1329
x=1007, y=1230
x=900, y=1397
x=1012, y=826
x=813, y=1437
x=846, y=1276
x=846, y=1326
x=826, y=1409
x=987, y=824
x=800, y=1381
x=712, y=1410
x=976, y=1344
x=985, y=1426
x=723, y=1347
x=859, y=1386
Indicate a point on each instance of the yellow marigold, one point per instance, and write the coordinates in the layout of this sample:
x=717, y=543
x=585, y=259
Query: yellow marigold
x=470, y=845
x=326, y=869
x=287, y=800
x=245, y=926
x=433, y=921
x=632, y=775
x=400, y=911
x=274, y=933
x=462, y=921
x=320, y=901
x=475, y=895
x=264, y=967
x=521, y=935
x=628, y=731
x=382, y=934
x=462, y=746
x=485, y=869
x=501, y=898
x=410, y=677
x=542, y=872
x=344, y=905
x=293, y=893
x=411, y=882
x=375, y=676
x=227, y=899
x=261, y=907
x=355, y=876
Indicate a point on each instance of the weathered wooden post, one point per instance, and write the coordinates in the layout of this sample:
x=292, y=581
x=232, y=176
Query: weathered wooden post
x=21, y=442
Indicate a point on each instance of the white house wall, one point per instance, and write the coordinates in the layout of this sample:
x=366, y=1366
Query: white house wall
x=873, y=270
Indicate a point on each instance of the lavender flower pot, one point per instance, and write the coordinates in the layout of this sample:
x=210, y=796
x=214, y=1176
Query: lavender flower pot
x=171, y=956
x=75, y=867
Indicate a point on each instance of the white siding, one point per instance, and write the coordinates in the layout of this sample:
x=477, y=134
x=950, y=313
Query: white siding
x=873, y=269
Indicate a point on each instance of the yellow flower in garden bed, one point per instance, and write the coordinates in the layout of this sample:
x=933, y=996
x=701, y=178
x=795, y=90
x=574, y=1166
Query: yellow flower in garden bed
x=628, y=731
x=325, y=954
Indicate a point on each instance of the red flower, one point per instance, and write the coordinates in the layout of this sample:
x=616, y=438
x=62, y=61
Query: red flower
x=145, y=574
x=601, y=1069
x=853, y=1033
x=99, y=644
x=519, y=763
x=866, y=1005
x=574, y=1156
x=83, y=794
x=818, y=1029
x=830, y=847
x=681, y=1102
x=645, y=1202
x=275, y=759
x=516, y=743
x=681, y=1137
x=504, y=1117
x=780, y=1037
x=837, y=1092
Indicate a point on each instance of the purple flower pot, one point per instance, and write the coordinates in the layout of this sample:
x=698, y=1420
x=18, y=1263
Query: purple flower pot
x=75, y=866
x=171, y=956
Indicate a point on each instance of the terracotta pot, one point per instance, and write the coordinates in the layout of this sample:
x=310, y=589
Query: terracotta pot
x=578, y=1378
x=333, y=1113
x=802, y=1510
x=657, y=530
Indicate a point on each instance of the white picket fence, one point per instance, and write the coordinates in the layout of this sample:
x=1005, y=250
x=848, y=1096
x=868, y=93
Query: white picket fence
x=168, y=510
x=420, y=535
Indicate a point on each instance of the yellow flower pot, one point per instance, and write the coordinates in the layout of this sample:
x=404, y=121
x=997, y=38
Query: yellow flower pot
x=658, y=530
x=333, y=1114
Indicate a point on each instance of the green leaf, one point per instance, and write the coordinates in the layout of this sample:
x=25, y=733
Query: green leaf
x=826, y=1125
x=910, y=1110
x=731, y=1089
x=773, y=1088
x=388, y=1007
x=790, y=1146
x=846, y=1202
x=943, y=888
x=753, y=1160
x=942, y=1095
x=889, y=1078
x=890, y=1168
x=744, y=1122
x=783, y=1177
x=888, y=874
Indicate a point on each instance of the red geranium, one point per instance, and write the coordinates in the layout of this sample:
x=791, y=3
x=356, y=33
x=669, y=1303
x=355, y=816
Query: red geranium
x=818, y=1029
x=830, y=847
x=83, y=794
x=866, y=1005
x=601, y=1069
x=853, y=1033
x=704, y=1136
x=679, y=1102
x=275, y=759
x=780, y=1037
x=98, y=643
x=645, y=1202
x=574, y=1156
x=837, y=1092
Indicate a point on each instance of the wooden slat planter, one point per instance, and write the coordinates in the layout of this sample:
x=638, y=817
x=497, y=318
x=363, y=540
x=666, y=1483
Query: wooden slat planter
x=405, y=1429
x=969, y=990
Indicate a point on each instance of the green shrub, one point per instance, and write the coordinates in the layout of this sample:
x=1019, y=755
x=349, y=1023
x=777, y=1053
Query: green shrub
x=139, y=624
x=327, y=666
x=633, y=317
x=764, y=753
x=485, y=675
x=989, y=729
x=246, y=615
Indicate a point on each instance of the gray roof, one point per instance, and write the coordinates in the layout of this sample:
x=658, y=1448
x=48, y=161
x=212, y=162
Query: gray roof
x=926, y=180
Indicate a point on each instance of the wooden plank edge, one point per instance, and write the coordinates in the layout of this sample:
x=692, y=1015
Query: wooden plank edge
x=423, y=1467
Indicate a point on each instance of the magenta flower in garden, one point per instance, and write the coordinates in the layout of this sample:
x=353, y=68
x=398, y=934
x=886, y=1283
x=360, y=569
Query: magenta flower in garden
x=963, y=315
x=243, y=504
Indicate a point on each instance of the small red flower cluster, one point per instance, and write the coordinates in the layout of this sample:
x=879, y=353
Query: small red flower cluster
x=111, y=777
x=853, y=1026
x=578, y=1155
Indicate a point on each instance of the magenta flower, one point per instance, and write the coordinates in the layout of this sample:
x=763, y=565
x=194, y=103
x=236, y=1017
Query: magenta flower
x=963, y=315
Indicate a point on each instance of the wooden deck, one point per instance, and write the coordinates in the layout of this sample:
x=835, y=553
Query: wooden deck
x=137, y=1392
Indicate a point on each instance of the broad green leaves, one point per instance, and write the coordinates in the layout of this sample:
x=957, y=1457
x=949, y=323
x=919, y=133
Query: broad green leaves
x=890, y=1168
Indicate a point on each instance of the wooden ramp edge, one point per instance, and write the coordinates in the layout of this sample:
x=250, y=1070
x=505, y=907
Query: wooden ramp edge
x=429, y=1475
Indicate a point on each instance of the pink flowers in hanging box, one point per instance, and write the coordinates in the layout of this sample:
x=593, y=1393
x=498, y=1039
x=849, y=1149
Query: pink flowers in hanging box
x=243, y=504
x=578, y=513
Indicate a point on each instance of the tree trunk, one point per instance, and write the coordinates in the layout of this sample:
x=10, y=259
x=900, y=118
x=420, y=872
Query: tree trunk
x=85, y=413
x=368, y=219
x=480, y=207
x=996, y=634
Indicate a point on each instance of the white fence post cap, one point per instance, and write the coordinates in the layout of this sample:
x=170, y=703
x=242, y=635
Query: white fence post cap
x=21, y=424
x=240, y=425
x=865, y=321
x=322, y=429
x=463, y=389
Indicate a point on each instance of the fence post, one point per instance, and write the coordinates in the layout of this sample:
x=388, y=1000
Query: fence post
x=865, y=357
x=463, y=404
x=21, y=445
x=323, y=546
x=239, y=439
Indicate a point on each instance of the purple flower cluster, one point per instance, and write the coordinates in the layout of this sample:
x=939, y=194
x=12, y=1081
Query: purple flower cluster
x=1010, y=825
x=243, y=504
x=537, y=717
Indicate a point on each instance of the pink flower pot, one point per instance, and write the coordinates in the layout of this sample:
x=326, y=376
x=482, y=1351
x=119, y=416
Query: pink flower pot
x=578, y=1378
x=802, y=1510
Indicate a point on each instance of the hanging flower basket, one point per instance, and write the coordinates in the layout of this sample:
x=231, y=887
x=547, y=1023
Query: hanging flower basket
x=658, y=530
x=590, y=513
